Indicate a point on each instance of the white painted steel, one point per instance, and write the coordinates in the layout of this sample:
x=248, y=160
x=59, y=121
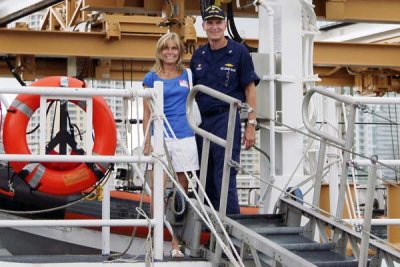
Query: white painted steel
x=105, y=215
x=72, y=91
x=74, y=158
x=158, y=183
x=89, y=125
x=376, y=100
x=373, y=221
x=75, y=223
x=332, y=153
x=366, y=162
x=43, y=125
x=266, y=45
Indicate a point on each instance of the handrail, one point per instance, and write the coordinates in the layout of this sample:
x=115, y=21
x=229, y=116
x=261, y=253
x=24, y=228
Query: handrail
x=75, y=91
x=307, y=123
x=347, y=99
x=233, y=102
x=158, y=221
x=353, y=102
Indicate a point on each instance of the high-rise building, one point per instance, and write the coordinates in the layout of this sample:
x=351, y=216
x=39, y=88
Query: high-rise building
x=377, y=133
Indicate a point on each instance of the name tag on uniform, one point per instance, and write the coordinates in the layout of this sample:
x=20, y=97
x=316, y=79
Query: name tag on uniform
x=183, y=83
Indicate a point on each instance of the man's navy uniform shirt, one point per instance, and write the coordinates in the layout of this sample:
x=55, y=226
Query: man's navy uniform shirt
x=228, y=70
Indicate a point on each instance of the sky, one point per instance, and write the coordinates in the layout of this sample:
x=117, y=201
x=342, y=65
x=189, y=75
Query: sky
x=9, y=82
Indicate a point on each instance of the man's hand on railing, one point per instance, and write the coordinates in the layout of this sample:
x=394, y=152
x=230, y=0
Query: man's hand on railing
x=249, y=137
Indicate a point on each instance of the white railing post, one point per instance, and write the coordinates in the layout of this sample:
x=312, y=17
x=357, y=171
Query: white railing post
x=158, y=182
x=105, y=230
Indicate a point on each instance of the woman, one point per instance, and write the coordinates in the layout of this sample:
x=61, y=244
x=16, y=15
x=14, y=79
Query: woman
x=169, y=69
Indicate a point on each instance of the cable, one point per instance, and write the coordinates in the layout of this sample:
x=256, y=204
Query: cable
x=233, y=30
x=119, y=255
x=206, y=219
x=37, y=126
x=341, y=221
x=13, y=71
x=105, y=178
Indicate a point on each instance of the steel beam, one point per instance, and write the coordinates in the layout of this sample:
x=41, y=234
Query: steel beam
x=385, y=11
x=356, y=54
x=141, y=47
x=52, y=47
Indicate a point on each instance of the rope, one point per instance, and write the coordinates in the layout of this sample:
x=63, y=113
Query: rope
x=116, y=256
x=319, y=209
x=149, y=256
x=206, y=219
x=332, y=144
x=102, y=181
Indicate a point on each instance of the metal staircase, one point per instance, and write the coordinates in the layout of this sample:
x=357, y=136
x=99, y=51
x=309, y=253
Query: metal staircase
x=290, y=237
x=281, y=240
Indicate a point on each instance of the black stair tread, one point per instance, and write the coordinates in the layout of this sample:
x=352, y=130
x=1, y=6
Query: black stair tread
x=288, y=238
x=309, y=246
x=276, y=230
x=257, y=220
x=298, y=242
x=326, y=258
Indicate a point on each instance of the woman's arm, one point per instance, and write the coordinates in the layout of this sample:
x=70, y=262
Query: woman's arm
x=146, y=121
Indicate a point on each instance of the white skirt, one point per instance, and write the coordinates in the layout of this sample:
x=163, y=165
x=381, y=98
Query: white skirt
x=183, y=153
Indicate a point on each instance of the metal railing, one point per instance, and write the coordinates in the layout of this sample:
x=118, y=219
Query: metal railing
x=208, y=137
x=346, y=145
x=87, y=93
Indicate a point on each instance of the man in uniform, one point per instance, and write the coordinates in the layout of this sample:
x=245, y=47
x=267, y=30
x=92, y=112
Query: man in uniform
x=227, y=67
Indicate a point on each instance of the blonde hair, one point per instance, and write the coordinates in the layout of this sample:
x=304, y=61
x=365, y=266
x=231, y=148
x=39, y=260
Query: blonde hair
x=163, y=42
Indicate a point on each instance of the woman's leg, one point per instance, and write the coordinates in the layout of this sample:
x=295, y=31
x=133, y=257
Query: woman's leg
x=184, y=183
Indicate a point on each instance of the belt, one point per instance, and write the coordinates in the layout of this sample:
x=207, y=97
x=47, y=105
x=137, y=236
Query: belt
x=214, y=112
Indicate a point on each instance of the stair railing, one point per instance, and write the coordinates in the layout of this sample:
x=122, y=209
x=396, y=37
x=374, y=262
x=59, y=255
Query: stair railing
x=346, y=144
x=208, y=137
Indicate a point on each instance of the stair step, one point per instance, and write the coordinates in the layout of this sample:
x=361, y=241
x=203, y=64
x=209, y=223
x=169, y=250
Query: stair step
x=291, y=238
x=327, y=258
x=283, y=239
x=258, y=220
x=309, y=246
x=277, y=230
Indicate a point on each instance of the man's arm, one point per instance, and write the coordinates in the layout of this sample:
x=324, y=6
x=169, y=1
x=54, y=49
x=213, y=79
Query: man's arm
x=249, y=138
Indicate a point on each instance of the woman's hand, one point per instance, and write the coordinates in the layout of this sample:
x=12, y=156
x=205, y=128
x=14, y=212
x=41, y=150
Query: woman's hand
x=147, y=149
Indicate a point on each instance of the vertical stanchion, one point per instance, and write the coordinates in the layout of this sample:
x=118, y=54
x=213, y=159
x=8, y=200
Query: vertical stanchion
x=105, y=230
x=366, y=227
x=194, y=252
x=158, y=182
x=226, y=176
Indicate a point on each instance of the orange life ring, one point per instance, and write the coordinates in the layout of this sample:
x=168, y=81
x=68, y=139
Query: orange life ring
x=72, y=178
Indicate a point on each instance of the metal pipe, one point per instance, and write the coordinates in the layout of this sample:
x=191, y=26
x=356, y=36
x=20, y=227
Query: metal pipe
x=72, y=91
x=373, y=221
x=228, y=156
x=376, y=100
x=75, y=223
x=306, y=117
x=346, y=157
x=74, y=158
x=266, y=45
x=367, y=162
x=366, y=227
x=158, y=186
x=203, y=180
x=189, y=111
x=105, y=215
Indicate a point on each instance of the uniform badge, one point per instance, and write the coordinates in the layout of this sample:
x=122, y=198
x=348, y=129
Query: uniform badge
x=183, y=83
